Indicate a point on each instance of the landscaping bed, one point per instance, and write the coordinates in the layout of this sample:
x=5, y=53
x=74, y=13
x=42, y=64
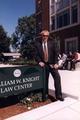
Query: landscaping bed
x=13, y=106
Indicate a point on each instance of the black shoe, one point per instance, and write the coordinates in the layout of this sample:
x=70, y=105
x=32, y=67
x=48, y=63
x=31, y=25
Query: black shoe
x=45, y=97
x=60, y=98
x=52, y=98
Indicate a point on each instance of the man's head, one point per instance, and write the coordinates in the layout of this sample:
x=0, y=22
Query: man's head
x=44, y=34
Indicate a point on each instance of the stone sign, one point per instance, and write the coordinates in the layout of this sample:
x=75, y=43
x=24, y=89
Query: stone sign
x=19, y=79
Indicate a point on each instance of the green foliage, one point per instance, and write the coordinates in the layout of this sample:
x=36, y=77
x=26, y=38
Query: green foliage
x=28, y=51
x=24, y=34
x=31, y=98
x=4, y=40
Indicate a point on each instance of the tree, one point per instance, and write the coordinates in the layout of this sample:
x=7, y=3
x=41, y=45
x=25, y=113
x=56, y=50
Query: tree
x=24, y=33
x=4, y=40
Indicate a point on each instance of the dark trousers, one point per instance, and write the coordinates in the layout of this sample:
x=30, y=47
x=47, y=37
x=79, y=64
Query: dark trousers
x=57, y=80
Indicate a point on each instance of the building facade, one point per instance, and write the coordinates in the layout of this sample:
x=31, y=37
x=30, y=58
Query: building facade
x=42, y=15
x=62, y=19
x=65, y=24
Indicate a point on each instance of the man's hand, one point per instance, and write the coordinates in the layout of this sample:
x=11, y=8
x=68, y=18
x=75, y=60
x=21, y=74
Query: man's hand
x=41, y=64
x=56, y=66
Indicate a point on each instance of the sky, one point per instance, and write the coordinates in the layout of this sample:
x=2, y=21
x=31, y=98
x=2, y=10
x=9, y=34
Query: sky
x=11, y=10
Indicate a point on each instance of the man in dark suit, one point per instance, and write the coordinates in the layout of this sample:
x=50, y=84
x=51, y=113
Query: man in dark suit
x=46, y=56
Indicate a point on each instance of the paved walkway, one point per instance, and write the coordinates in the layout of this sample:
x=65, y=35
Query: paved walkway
x=67, y=110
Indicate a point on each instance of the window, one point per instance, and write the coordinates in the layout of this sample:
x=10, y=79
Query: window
x=73, y=1
x=63, y=19
x=52, y=1
x=53, y=23
x=74, y=14
x=71, y=44
x=66, y=18
x=52, y=9
x=61, y=4
x=59, y=21
x=58, y=6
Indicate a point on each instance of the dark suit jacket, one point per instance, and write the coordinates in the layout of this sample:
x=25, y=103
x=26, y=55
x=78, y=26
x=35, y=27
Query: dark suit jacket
x=52, y=52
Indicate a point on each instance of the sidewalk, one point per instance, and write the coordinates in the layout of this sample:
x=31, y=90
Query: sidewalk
x=67, y=110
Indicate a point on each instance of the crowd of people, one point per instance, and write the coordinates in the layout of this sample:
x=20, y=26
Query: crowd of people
x=68, y=61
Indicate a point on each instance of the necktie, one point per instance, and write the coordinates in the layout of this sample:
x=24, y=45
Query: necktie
x=45, y=52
